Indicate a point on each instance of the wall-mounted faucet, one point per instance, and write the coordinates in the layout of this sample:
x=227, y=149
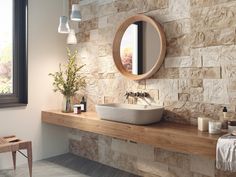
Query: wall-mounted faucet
x=136, y=94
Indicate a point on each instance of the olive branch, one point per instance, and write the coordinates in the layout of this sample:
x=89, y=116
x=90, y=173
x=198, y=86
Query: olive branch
x=68, y=80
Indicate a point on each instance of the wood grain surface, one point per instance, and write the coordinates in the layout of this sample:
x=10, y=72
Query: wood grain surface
x=166, y=135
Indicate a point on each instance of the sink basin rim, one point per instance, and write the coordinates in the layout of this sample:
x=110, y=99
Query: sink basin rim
x=130, y=106
x=129, y=113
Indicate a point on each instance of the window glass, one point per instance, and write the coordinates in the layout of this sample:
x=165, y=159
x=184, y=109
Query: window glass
x=13, y=53
x=6, y=47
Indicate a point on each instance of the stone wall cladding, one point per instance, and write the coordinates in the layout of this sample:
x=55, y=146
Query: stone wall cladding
x=141, y=159
x=199, y=68
x=197, y=78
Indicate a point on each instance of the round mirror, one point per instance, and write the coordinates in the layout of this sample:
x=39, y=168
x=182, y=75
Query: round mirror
x=139, y=47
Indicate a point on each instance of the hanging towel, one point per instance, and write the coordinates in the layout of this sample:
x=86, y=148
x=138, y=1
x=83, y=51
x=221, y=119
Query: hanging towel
x=226, y=153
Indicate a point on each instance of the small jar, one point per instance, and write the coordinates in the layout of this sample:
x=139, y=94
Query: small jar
x=215, y=127
x=77, y=109
x=231, y=126
x=203, y=123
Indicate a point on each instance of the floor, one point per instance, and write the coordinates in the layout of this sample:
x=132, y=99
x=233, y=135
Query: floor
x=66, y=165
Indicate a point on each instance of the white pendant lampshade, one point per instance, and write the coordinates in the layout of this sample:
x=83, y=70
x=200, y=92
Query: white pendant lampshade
x=75, y=14
x=71, y=39
x=64, y=25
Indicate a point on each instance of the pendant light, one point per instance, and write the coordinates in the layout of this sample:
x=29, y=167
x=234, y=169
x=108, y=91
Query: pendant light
x=75, y=13
x=71, y=39
x=64, y=25
x=64, y=22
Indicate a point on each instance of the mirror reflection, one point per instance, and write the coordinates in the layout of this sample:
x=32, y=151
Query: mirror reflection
x=139, y=48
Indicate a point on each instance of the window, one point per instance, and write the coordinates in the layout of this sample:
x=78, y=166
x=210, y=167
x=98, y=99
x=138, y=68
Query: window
x=13, y=53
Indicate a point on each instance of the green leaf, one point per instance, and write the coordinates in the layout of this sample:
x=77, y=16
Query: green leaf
x=68, y=80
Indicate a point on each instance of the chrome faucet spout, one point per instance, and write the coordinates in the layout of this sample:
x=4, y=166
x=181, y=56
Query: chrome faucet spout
x=136, y=94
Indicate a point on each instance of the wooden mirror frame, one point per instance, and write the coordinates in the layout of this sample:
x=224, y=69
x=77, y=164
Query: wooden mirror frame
x=117, y=41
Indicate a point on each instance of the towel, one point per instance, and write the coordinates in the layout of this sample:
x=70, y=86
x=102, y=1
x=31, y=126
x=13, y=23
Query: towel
x=226, y=153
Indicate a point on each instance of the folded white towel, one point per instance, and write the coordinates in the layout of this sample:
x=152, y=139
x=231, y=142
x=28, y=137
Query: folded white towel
x=226, y=153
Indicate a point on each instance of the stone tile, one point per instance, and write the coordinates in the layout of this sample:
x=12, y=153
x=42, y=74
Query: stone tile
x=182, y=62
x=112, y=87
x=106, y=76
x=178, y=172
x=211, y=56
x=182, y=111
x=124, y=161
x=145, y=152
x=83, y=36
x=229, y=72
x=232, y=98
x=179, y=8
x=88, y=25
x=106, y=65
x=116, y=19
x=102, y=2
x=94, y=35
x=228, y=55
x=196, y=94
x=224, y=174
x=198, y=175
x=213, y=37
x=88, y=11
x=87, y=147
x=166, y=73
x=215, y=91
x=124, y=5
x=173, y=159
x=154, y=94
x=196, y=83
x=205, y=3
x=106, y=9
x=109, y=99
x=124, y=146
x=178, y=46
x=177, y=28
x=200, y=73
x=73, y=2
x=104, y=50
x=106, y=35
x=203, y=165
x=149, y=5
x=104, y=150
x=153, y=168
x=183, y=96
x=232, y=85
x=168, y=88
x=102, y=22
x=177, y=112
x=184, y=86
x=214, y=17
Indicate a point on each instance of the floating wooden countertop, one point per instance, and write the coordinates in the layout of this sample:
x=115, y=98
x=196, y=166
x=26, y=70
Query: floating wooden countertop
x=166, y=135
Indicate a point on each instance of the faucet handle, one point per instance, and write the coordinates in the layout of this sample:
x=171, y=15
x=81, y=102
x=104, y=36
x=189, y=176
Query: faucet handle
x=145, y=94
x=128, y=94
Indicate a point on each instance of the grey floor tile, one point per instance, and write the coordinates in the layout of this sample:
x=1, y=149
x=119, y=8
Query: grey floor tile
x=66, y=165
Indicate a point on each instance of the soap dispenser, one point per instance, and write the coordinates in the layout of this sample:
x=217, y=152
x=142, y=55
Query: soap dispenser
x=225, y=112
x=83, y=105
x=225, y=119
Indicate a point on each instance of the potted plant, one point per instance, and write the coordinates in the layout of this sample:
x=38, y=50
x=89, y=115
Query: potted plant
x=68, y=80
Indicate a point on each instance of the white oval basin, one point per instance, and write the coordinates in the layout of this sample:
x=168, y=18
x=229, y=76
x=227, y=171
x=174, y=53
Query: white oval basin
x=130, y=113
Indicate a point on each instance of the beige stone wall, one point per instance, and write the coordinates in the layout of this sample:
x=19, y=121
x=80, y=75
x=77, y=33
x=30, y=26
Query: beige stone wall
x=141, y=159
x=198, y=75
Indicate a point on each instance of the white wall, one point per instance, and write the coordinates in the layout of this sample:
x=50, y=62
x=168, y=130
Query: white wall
x=46, y=50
